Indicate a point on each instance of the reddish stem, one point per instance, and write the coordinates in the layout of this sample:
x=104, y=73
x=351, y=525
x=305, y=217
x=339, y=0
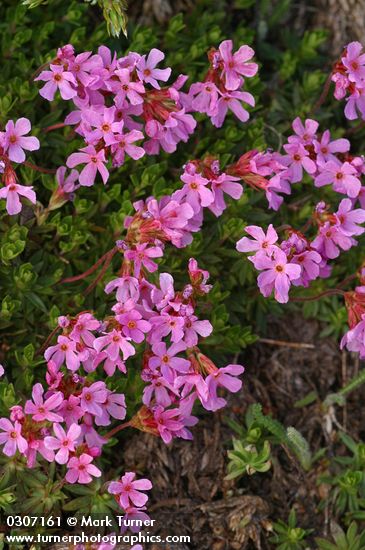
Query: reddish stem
x=102, y=272
x=330, y=292
x=55, y=127
x=117, y=429
x=324, y=94
x=39, y=169
x=88, y=271
x=49, y=338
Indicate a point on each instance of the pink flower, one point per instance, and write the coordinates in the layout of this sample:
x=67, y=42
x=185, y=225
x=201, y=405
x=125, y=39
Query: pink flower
x=12, y=437
x=222, y=378
x=306, y=133
x=64, y=442
x=298, y=157
x=114, y=406
x=224, y=184
x=146, y=68
x=81, y=470
x=141, y=256
x=195, y=328
x=348, y=218
x=92, y=397
x=166, y=359
x=165, y=324
x=57, y=78
x=330, y=240
x=127, y=288
x=161, y=297
x=196, y=192
x=2, y=371
x=128, y=490
x=277, y=274
x=134, y=326
x=71, y=411
x=64, y=351
x=354, y=61
x=232, y=101
x=354, y=339
x=124, y=88
x=168, y=423
x=325, y=148
x=114, y=343
x=16, y=140
x=342, y=176
x=206, y=97
x=42, y=410
x=123, y=143
x=236, y=64
x=95, y=162
x=11, y=193
x=260, y=240
x=85, y=323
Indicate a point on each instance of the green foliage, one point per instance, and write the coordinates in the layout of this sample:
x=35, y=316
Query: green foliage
x=288, y=536
x=351, y=540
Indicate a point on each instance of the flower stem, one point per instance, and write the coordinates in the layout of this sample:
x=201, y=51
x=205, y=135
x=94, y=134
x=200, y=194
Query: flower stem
x=324, y=94
x=117, y=429
x=330, y=292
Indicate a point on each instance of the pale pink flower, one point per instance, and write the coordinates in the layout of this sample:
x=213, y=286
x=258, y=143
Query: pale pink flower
x=81, y=470
x=64, y=442
x=12, y=437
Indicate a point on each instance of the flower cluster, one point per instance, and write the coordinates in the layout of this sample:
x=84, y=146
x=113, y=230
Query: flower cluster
x=325, y=161
x=349, y=77
x=13, y=142
x=119, y=101
x=221, y=90
x=62, y=423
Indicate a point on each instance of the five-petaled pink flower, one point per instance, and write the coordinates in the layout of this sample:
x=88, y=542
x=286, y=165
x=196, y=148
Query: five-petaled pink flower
x=235, y=64
x=64, y=442
x=128, y=490
x=146, y=68
x=16, y=139
x=95, y=162
x=12, y=437
x=81, y=470
x=277, y=274
x=57, y=78
x=11, y=193
x=41, y=409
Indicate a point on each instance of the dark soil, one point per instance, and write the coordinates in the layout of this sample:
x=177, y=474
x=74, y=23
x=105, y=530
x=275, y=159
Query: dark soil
x=190, y=495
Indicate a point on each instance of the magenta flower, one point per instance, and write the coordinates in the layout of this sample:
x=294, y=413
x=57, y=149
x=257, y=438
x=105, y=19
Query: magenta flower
x=224, y=184
x=354, y=61
x=141, y=256
x=206, y=97
x=113, y=343
x=124, y=88
x=326, y=149
x=146, y=68
x=95, y=162
x=81, y=470
x=354, y=339
x=342, y=176
x=42, y=410
x=348, y=218
x=70, y=410
x=161, y=297
x=222, y=378
x=166, y=359
x=277, y=274
x=196, y=192
x=64, y=442
x=57, y=78
x=11, y=193
x=260, y=241
x=232, y=101
x=166, y=324
x=12, y=437
x=159, y=389
x=310, y=262
x=134, y=326
x=235, y=65
x=85, y=323
x=298, y=157
x=168, y=422
x=306, y=133
x=64, y=351
x=2, y=371
x=123, y=143
x=84, y=65
x=105, y=124
x=128, y=490
x=127, y=288
x=92, y=397
x=330, y=240
x=16, y=139
x=195, y=328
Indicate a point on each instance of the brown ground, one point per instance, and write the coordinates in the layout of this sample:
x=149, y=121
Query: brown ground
x=190, y=495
